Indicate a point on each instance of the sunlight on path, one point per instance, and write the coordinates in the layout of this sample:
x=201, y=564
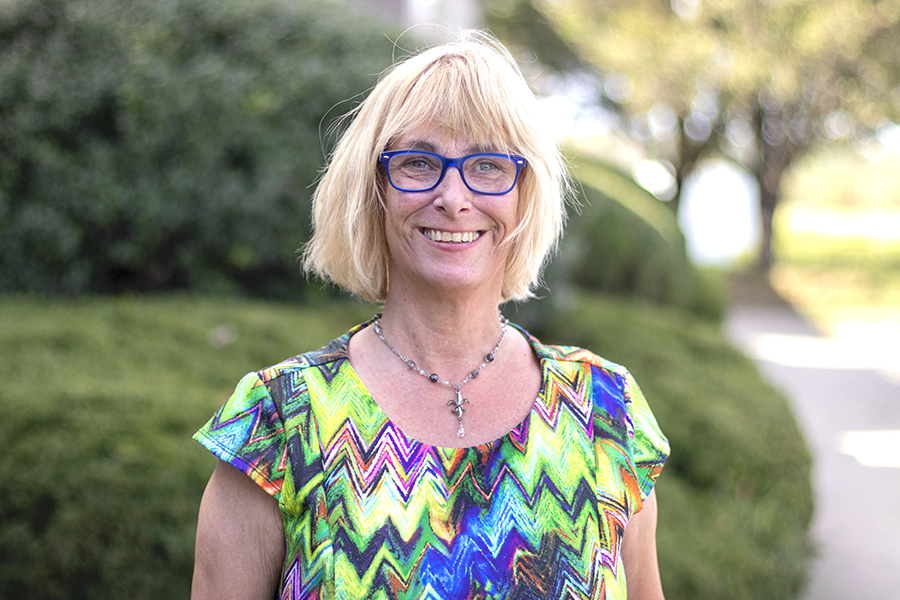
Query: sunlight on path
x=876, y=448
x=867, y=348
x=870, y=346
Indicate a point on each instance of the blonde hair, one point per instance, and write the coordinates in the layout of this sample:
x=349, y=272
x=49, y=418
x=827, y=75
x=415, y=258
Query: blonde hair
x=469, y=88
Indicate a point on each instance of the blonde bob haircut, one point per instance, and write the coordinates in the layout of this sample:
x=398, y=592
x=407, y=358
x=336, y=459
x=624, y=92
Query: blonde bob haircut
x=471, y=88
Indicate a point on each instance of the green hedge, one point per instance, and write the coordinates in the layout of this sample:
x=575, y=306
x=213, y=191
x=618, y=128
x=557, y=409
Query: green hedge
x=100, y=482
x=169, y=144
x=628, y=243
x=172, y=145
x=736, y=495
x=624, y=242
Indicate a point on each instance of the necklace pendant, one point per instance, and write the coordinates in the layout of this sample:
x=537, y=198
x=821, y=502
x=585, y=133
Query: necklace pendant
x=456, y=405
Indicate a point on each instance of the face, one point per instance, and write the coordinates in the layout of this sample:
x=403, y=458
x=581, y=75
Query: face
x=449, y=239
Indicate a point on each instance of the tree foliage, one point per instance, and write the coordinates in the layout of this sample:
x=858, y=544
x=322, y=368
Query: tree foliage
x=760, y=82
x=168, y=144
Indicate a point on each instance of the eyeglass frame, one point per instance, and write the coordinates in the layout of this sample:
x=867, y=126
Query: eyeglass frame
x=446, y=163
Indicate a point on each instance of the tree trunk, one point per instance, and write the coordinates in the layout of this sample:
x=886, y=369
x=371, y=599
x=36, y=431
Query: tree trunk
x=775, y=158
x=689, y=154
x=768, y=200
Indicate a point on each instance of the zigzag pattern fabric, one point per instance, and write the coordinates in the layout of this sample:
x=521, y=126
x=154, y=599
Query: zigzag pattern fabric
x=371, y=513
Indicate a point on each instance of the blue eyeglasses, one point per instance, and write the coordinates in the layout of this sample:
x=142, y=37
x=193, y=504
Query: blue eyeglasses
x=418, y=171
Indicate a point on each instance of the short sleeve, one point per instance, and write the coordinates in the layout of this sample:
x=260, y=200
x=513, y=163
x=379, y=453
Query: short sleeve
x=649, y=448
x=248, y=433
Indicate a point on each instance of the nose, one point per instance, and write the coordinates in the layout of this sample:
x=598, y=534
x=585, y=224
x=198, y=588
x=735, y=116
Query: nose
x=453, y=197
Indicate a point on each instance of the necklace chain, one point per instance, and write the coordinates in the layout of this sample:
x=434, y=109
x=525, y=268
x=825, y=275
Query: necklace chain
x=457, y=403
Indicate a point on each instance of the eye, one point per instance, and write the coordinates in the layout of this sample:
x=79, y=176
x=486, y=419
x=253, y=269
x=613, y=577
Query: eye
x=489, y=166
x=418, y=162
x=484, y=165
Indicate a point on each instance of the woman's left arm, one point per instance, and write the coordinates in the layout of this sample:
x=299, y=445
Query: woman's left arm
x=639, y=553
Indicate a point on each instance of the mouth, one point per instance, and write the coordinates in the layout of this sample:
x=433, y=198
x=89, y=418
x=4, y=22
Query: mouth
x=454, y=237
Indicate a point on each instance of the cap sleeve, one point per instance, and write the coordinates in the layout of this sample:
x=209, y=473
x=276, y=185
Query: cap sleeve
x=649, y=447
x=248, y=433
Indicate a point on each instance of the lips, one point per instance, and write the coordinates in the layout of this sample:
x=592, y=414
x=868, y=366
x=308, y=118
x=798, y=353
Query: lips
x=451, y=236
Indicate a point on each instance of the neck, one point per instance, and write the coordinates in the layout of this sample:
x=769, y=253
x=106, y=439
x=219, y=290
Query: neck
x=442, y=336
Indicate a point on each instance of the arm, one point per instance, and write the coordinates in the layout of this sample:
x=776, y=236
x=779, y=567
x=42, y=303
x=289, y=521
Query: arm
x=240, y=540
x=639, y=553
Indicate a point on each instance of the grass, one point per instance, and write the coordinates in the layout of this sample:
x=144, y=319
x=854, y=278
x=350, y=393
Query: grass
x=837, y=240
x=100, y=481
x=835, y=279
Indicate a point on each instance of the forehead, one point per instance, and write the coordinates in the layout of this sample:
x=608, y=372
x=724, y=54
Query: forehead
x=442, y=141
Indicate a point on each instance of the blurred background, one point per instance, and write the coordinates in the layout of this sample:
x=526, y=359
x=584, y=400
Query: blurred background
x=736, y=233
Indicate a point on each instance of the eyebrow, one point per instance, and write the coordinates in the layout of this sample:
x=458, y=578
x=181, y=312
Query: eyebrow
x=429, y=147
x=422, y=145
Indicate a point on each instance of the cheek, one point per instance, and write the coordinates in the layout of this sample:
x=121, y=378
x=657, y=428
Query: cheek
x=514, y=210
x=392, y=210
x=397, y=213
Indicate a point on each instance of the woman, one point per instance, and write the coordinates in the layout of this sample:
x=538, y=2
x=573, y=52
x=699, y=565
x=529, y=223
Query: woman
x=435, y=451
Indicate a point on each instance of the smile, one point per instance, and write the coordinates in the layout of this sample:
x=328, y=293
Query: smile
x=447, y=236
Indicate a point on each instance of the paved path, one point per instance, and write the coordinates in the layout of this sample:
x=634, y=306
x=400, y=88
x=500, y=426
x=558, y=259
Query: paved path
x=847, y=402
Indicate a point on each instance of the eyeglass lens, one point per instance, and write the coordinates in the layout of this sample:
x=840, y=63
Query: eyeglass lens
x=412, y=172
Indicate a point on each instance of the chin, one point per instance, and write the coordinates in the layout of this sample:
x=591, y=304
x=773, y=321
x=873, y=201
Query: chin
x=467, y=281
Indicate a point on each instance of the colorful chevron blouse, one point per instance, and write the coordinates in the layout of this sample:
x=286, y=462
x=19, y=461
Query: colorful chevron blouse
x=371, y=513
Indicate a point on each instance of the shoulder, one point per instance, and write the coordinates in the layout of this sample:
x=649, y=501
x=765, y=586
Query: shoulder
x=286, y=381
x=574, y=356
x=606, y=385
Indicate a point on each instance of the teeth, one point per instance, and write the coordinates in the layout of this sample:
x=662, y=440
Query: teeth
x=456, y=236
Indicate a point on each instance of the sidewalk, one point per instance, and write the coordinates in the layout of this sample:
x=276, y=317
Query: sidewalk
x=847, y=404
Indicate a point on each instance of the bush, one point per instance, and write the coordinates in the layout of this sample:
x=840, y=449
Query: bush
x=735, y=497
x=623, y=242
x=172, y=145
x=100, y=482
x=168, y=144
x=626, y=242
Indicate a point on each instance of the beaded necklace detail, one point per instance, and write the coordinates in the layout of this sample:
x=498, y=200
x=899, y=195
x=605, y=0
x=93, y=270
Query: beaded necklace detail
x=456, y=405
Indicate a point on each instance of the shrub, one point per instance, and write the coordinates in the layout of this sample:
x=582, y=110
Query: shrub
x=172, y=145
x=735, y=497
x=168, y=144
x=624, y=242
x=100, y=482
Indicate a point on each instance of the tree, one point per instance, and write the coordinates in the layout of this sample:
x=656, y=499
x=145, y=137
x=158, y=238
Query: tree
x=759, y=81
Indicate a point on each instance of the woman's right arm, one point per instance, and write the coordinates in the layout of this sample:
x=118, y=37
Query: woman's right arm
x=240, y=540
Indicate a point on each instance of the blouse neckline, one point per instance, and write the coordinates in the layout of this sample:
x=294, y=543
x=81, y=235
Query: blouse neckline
x=517, y=434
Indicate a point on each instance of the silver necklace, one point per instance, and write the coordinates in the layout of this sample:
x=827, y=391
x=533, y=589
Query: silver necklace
x=456, y=405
